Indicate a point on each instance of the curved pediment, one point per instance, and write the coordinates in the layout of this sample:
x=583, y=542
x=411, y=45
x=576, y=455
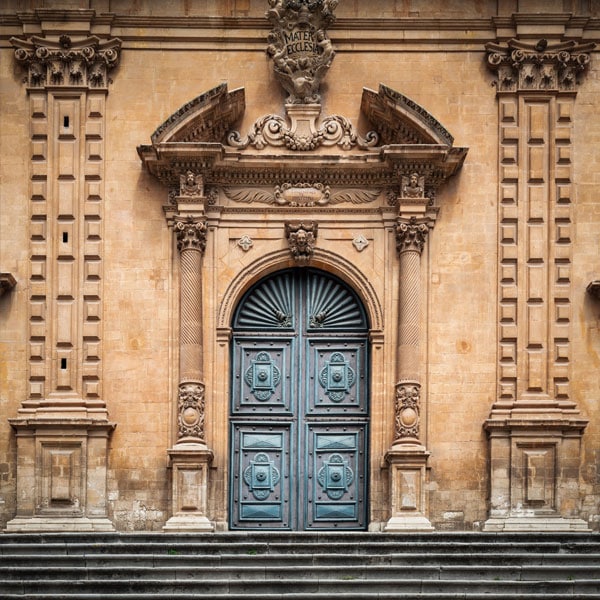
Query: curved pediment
x=399, y=120
x=206, y=118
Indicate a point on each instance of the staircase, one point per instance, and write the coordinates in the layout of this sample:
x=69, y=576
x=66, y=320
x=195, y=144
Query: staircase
x=265, y=566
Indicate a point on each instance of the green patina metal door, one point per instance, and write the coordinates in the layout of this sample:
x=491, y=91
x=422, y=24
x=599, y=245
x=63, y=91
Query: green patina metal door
x=299, y=405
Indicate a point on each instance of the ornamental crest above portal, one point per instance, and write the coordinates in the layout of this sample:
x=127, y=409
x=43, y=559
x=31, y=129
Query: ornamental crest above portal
x=298, y=44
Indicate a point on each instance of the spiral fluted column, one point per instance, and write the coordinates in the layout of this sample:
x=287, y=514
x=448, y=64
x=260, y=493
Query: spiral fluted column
x=190, y=456
x=407, y=456
x=410, y=239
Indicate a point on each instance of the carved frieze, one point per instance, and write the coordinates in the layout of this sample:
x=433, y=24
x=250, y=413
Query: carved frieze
x=411, y=235
x=67, y=63
x=524, y=66
x=301, y=238
x=191, y=233
x=299, y=46
x=301, y=194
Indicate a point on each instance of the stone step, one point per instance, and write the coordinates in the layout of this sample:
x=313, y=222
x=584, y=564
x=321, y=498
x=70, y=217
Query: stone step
x=362, y=595
x=201, y=572
x=165, y=559
x=301, y=586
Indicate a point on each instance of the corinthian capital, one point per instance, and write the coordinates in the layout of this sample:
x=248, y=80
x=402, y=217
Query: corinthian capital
x=411, y=235
x=65, y=62
x=525, y=66
x=191, y=233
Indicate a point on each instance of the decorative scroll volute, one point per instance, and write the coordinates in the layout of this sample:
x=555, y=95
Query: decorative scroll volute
x=298, y=44
x=523, y=66
x=65, y=62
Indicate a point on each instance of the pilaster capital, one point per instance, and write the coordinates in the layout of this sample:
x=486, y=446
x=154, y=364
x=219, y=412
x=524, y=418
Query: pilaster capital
x=67, y=63
x=411, y=234
x=527, y=66
x=190, y=232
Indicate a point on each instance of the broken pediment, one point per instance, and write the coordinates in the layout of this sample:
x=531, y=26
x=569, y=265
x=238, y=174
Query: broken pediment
x=302, y=146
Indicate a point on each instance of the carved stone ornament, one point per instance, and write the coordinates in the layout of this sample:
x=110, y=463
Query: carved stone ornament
x=413, y=186
x=360, y=242
x=522, y=66
x=66, y=62
x=302, y=239
x=190, y=405
x=245, y=243
x=411, y=235
x=191, y=184
x=298, y=44
x=407, y=417
x=274, y=130
x=191, y=233
x=301, y=194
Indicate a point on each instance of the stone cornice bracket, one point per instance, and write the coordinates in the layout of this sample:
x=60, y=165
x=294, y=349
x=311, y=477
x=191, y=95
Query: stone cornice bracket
x=190, y=232
x=411, y=234
x=540, y=66
x=67, y=63
x=299, y=47
x=301, y=239
x=7, y=283
x=593, y=289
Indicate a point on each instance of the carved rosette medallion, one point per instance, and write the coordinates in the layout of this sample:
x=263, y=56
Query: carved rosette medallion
x=302, y=239
x=407, y=417
x=298, y=44
x=540, y=66
x=190, y=406
x=411, y=235
x=191, y=233
x=66, y=62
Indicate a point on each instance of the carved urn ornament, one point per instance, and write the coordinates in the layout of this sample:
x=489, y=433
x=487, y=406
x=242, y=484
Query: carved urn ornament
x=298, y=44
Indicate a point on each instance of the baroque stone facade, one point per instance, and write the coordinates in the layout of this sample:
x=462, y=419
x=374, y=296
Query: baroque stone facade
x=371, y=255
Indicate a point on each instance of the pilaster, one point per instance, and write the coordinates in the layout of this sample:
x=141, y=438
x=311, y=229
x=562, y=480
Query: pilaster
x=62, y=426
x=190, y=457
x=535, y=427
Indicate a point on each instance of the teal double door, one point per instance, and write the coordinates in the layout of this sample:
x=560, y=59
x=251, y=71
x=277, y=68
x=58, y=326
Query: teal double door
x=299, y=409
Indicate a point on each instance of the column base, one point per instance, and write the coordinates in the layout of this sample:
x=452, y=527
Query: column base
x=537, y=523
x=58, y=525
x=183, y=522
x=408, y=523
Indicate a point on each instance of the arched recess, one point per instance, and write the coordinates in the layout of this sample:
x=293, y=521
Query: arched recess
x=323, y=259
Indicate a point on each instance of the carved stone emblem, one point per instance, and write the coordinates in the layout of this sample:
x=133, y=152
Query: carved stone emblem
x=302, y=239
x=67, y=63
x=407, y=410
x=191, y=411
x=298, y=44
x=540, y=66
x=245, y=243
x=360, y=242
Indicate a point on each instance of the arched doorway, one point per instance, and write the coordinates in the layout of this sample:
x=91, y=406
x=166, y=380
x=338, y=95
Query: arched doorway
x=299, y=405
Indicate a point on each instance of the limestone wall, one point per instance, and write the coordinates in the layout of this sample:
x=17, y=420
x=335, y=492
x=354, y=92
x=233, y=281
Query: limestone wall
x=434, y=53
